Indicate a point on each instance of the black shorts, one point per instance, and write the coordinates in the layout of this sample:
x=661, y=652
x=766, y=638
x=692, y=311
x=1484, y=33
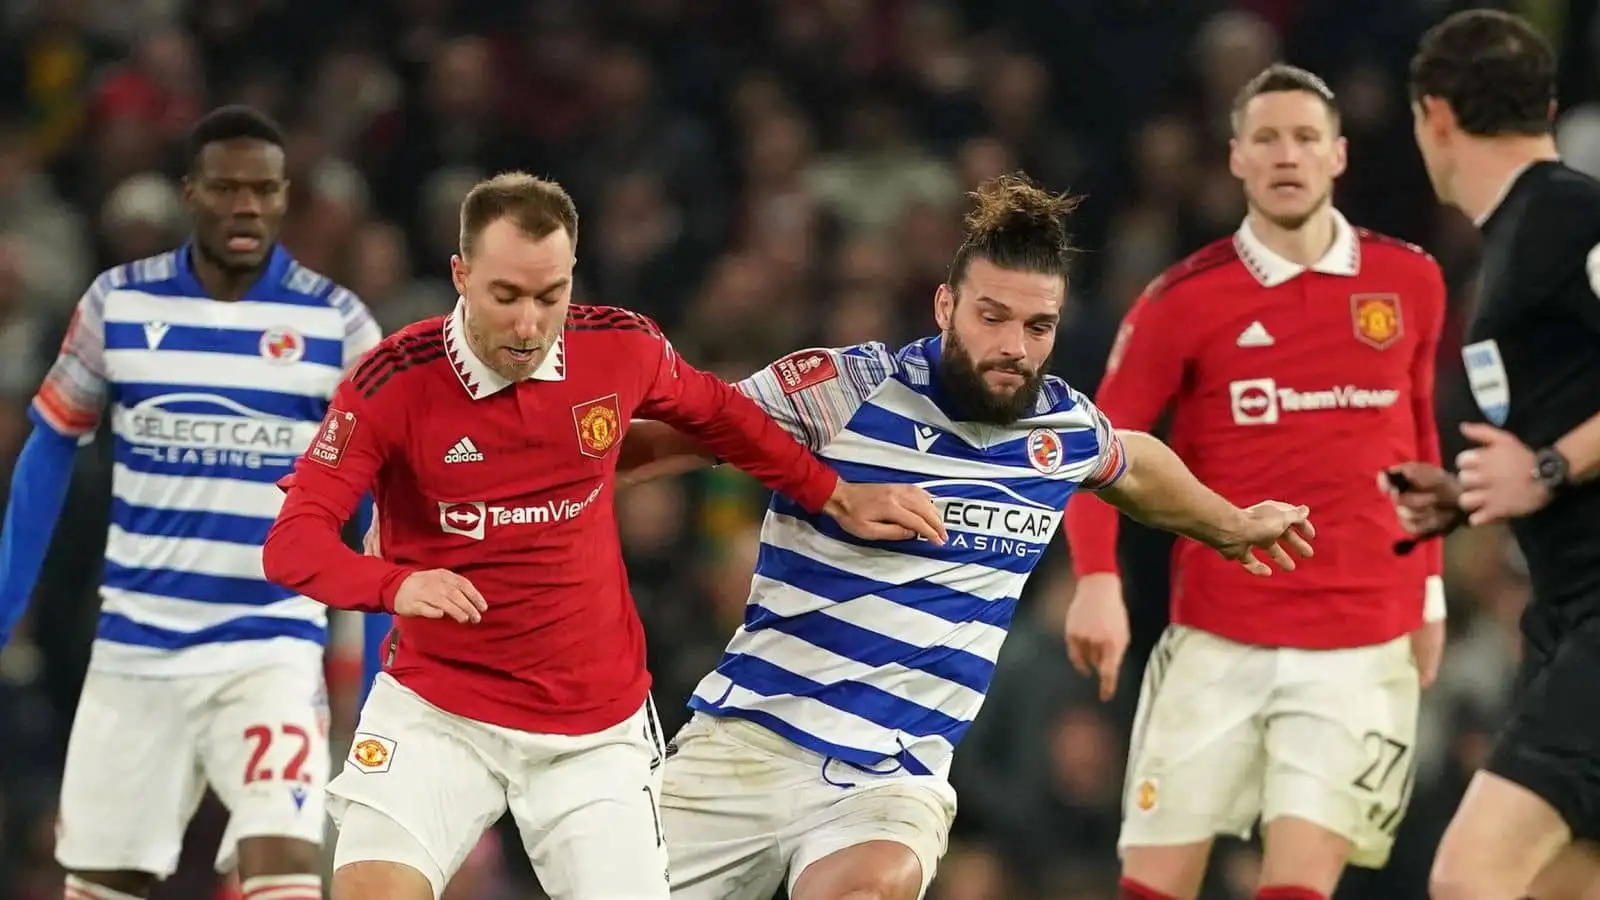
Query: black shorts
x=1551, y=745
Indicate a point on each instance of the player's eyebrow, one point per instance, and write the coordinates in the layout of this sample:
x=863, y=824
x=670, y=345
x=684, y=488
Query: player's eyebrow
x=558, y=284
x=1037, y=319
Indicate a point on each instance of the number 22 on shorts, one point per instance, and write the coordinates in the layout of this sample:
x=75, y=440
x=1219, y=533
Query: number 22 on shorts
x=262, y=737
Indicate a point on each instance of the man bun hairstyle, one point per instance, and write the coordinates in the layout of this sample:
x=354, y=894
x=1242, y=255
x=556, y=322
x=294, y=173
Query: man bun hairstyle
x=1497, y=73
x=228, y=123
x=1017, y=225
x=536, y=206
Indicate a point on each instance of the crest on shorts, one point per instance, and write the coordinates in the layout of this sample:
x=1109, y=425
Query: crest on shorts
x=282, y=345
x=599, y=424
x=1144, y=795
x=1376, y=318
x=370, y=752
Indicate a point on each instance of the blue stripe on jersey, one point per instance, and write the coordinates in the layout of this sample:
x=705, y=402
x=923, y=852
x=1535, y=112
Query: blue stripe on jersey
x=122, y=630
x=193, y=586
x=874, y=421
x=184, y=462
x=299, y=407
x=865, y=759
x=819, y=578
x=1010, y=555
x=871, y=703
x=222, y=341
x=1044, y=491
x=857, y=643
x=177, y=523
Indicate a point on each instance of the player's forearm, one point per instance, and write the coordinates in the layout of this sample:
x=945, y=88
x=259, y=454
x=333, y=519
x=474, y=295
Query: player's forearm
x=657, y=450
x=1160, y=491
x=305, y=553
x=1091, y=529
x=39, y=487
x=731, y=426
x=1580, y=447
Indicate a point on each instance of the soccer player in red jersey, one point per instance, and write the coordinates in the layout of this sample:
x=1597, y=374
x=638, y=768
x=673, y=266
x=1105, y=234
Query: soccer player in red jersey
x=515, y=678
x=1300, y=351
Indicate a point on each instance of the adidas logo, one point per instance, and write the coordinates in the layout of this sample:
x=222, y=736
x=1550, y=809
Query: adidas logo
x=464, y=451
x=1255, y=336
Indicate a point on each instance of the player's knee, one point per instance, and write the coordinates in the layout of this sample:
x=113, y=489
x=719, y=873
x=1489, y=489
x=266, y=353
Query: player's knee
x=375, y=879
x=1172, y=870
x=1300, y=853
x=122, y=885
x=874, y=870
x=375, y=858
x=259, y=856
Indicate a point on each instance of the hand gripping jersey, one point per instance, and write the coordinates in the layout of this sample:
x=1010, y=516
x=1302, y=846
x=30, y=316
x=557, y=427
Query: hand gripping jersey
x=879, y=654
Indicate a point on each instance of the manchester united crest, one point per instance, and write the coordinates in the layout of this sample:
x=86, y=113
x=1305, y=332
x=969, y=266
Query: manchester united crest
x=599, y=425
x=1376, y=318
x=1146, y=795
x=371, y=752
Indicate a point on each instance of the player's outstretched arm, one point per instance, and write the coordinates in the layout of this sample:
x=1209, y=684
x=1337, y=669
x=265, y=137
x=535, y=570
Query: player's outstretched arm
x=730, y=425
x=654, y=450
x=1160, y=491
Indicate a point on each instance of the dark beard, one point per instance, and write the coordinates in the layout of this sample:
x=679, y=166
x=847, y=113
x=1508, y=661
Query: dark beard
x=971, y=399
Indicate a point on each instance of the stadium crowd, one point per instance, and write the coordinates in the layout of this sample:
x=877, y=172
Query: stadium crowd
x=758, y=177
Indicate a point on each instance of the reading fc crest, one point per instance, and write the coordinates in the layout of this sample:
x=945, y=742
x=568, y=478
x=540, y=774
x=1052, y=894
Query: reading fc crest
x=282, y=345
x=1044, y=450
x=1376, y=318
x=599, y=425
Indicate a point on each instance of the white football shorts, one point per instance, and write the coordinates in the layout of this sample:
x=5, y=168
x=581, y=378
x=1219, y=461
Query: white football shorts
x=586, y=805
x=143, y=750
x=745, y=810
x=1229, y=733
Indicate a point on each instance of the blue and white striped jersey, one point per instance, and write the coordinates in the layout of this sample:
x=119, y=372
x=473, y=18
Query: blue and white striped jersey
x=210, y=404
x=879, y=654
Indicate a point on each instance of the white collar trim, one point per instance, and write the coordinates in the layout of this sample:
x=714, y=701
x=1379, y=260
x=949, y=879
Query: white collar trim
x=1343, y=258
x=476, y=376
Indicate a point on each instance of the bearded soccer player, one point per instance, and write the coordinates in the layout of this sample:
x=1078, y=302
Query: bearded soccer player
x=818, y=754
x=1300, y=351
x=217, y=361
x=516, y=676
x=1483, y=92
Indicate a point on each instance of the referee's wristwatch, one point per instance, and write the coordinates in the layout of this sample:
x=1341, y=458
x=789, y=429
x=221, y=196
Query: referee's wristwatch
x=1551, y=469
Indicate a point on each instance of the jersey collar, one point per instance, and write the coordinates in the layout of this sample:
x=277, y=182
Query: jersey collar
x=482, y=381
x=1343, y=258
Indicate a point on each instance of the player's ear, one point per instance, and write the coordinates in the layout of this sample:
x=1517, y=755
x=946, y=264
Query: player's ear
x=1235, y=165
x=1341, y=149
x=944, y=306
x=458, y=274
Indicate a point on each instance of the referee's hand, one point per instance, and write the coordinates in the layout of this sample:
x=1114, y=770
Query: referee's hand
x=1497, y=476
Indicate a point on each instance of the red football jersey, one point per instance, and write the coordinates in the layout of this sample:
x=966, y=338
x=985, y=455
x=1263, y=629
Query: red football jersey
x=1291, y=384
x=510, y=485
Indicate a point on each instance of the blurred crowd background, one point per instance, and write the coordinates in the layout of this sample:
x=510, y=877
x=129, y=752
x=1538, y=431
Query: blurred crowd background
x=758, y=175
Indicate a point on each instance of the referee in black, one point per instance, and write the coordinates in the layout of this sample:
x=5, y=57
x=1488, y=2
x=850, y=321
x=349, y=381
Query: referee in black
x=1483, y=96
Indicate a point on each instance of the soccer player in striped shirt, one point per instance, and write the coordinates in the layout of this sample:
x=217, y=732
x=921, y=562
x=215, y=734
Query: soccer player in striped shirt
x=820, y=746
x=217, y=361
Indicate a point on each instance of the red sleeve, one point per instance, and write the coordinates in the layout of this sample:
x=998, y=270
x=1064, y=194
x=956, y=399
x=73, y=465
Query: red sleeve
x=1143, y=374
x=305, y=551
x=1423, y=369
x=732, y=427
